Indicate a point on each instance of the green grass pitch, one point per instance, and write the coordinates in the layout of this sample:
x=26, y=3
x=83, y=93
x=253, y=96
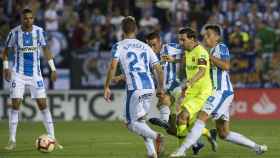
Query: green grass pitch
x=99, y=139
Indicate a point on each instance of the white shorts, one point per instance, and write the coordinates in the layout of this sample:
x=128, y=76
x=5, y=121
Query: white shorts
x=218, y=105
x=136, y=105
x=19, y=82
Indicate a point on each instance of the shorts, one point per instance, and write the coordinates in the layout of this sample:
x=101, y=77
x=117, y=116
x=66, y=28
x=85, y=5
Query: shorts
x=193, y=103
x=137, y=105
x=218, y=105
x=19, y=82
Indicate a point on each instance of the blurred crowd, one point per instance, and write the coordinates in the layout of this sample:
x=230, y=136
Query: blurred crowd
x=251, y=28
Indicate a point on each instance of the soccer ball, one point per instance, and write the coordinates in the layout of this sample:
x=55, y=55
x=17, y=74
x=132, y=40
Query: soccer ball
x=45, y=144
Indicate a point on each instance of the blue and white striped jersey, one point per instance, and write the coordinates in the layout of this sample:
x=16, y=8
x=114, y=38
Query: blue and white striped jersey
x=171, y=80
x=136, y=58
x=220, y=78
x=27, y=47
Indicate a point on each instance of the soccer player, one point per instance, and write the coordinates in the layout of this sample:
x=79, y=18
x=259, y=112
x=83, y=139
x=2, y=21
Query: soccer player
x=170, y=55
x=136, y=58
x=218, y=104
x=197, y=87
x=27, y=40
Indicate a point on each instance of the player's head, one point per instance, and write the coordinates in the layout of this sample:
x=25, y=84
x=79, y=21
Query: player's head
x=187, y=38
x=212, y=35
x=153, y=40
x=27, y=18
x=129, y=25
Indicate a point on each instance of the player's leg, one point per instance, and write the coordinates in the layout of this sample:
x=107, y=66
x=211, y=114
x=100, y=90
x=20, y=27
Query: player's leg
x=198, y=127
x=193, y=136
x=169, y=123
x=136, y=108
x=182, y=122
x=13, y=122
x=38, y=92
x=237, y=138
x=149, y=143
x=190, y=107
x=17, y=91
x=164, y=107
x=46, y=116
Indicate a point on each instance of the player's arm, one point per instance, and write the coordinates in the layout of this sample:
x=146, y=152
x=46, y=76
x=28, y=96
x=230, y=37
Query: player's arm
x=221, y=63
x=48, y=55
x=7, y=74
x=168, y=58
x=157, y=69
x=202, y=63
x=10, y=42
x=197, y=76
x=159, y=77
x=110, y=73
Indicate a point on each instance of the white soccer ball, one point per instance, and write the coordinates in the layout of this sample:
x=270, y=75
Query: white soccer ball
x=45, y=144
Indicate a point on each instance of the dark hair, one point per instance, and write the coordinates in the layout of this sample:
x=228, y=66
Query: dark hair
x=128, y=24
x=189, y=32
x=152, y=35
x=214, y=28
x=26, y=11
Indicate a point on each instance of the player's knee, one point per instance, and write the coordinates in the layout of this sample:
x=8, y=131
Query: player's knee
x=183, y=117
x=203, y=116
x=42, y=104
x=166, y=100
x=222, y=134
x=16, y=104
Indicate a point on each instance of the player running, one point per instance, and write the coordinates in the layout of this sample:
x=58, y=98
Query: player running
x=27, y=40
x=170, y=55
x=218, y=104
x=136, y=58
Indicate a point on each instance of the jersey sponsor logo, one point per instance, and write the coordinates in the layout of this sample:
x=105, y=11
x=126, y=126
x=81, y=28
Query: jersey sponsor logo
x=27, y=49
x=264, y=105
x=191, y=67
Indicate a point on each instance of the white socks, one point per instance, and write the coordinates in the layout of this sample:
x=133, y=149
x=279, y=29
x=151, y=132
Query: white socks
x=239, y=139
x=13, y=121
x=164, y=112
x=48, y=122
x=194, y=135
x=149, y=143
x=142, y=129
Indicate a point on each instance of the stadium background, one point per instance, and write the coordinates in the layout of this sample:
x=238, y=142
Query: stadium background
x=82, y=32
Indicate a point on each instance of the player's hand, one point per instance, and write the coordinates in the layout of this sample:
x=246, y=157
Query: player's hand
x=167, y=58
x=53, y=76
x=7, y=75
x=117, y=79
x=179, y=103
x=107, y=94
x=183, y=92
x=160, y=93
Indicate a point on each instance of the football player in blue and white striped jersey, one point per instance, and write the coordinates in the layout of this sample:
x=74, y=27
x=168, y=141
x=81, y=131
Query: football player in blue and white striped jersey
x=170, y=55
x=27, y=41
x=137, y=59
